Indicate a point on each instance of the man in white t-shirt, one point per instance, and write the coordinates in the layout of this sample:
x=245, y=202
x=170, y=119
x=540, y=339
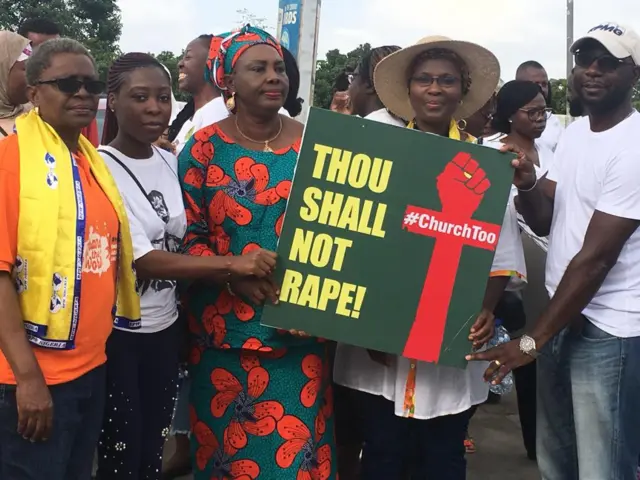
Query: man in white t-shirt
x=588, y=337
x=532, y=71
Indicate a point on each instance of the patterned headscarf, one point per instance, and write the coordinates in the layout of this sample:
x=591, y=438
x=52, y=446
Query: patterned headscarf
x=13, y=48
x=226, y=48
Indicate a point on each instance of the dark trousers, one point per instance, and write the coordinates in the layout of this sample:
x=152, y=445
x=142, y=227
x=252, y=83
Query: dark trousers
x=69, y=451
x=525, y=378
x=435, y=447
x=511, y=311
x=142, y=384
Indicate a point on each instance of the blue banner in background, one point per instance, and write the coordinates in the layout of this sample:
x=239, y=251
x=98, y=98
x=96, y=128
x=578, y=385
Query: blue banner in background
x=289, y=16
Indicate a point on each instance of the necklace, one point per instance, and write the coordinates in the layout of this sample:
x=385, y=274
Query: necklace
x=267, y=148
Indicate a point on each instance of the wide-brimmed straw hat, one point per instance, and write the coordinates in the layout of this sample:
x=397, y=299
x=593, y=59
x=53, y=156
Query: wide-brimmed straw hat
x=391, y=80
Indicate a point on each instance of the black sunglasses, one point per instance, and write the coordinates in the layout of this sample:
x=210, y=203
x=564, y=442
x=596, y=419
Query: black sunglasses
x=606, y=62
x=72, y=85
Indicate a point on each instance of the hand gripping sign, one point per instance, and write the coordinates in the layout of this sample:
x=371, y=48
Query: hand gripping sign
x=461, y=188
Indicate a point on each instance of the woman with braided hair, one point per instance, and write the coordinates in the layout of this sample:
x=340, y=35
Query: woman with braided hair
x=143, y=356
x=362, y=93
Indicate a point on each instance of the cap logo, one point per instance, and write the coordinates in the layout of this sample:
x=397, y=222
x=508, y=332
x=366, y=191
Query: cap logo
x=608, y=27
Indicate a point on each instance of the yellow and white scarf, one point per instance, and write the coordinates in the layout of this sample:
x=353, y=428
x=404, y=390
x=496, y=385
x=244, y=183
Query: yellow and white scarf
x=51, y=235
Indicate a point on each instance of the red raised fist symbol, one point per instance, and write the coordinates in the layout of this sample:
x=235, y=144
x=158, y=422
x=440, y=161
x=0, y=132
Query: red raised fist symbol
x=461, y=186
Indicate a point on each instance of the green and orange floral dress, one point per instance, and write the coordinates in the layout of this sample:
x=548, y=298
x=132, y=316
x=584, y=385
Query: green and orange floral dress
x=261, y=401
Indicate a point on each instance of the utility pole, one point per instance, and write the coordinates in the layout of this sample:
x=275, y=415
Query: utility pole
x=569, y=55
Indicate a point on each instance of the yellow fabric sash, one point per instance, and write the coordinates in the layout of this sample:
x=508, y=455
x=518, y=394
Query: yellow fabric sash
x=51, y=236
x=409, y=406
x=454, y=131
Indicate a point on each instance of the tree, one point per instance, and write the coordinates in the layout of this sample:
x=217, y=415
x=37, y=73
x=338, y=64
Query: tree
x=328, y=70
x=94, y=23
x=170, y=60
x=559, y=96
x=558, y=88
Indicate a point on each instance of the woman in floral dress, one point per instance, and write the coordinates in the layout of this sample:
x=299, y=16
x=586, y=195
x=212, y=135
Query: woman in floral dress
x=261, y=405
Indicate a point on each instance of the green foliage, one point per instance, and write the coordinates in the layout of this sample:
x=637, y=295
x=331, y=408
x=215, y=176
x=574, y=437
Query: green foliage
x=558, y=95
x=169, y=60
x=94, y=23
x=636, y=97
x=328, y=70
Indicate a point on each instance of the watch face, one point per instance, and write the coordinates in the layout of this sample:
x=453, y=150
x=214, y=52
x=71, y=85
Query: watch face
x=527, y=344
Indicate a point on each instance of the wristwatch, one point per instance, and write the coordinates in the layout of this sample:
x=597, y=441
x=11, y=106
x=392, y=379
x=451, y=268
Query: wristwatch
x=528, y=346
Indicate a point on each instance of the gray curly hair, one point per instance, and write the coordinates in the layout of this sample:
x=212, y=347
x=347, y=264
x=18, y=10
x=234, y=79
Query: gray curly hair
x=41, y=58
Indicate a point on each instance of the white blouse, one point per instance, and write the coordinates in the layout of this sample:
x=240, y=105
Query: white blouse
x=440, y=390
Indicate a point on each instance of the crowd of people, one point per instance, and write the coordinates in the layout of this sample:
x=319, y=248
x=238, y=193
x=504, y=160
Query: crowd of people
x=134, y=269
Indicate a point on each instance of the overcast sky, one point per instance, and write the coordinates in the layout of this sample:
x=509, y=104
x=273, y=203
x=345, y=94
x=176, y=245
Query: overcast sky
x=515, y=30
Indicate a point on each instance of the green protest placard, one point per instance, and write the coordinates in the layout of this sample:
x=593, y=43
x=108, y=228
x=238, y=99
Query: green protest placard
x=389, y=237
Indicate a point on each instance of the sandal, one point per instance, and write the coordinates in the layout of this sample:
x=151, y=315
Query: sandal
x=469, y=445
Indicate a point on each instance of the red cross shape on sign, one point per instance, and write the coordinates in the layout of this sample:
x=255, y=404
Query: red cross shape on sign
x=461, y=188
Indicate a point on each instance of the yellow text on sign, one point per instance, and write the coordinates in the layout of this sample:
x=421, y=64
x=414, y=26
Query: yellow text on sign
x=346, y=212
x=312, y=291
x=318, y=249
x=358, y=170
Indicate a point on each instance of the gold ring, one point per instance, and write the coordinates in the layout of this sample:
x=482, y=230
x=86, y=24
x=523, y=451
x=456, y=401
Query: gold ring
x=497, y=362
x=466, y=174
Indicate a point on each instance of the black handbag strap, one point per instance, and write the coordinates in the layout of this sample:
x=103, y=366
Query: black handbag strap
x=126, y=169
x=3, y=132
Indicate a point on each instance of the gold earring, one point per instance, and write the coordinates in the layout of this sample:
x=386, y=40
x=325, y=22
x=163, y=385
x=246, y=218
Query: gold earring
x=462, y=124
x=231, y=102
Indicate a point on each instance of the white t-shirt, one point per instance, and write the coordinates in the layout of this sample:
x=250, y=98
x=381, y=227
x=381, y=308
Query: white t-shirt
x=160, y=227
x=211, y=113
x=545, y=154
x=598, y=171
x=383, y=116
x=440, y=390
x=552, y=133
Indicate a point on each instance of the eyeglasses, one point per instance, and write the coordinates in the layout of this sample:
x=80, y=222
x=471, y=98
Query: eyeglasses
x=72, y=85
x=426, y=80
x=606, y=63
x=536, y=114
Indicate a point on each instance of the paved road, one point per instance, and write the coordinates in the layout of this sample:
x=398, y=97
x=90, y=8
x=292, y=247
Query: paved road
x=500, y=454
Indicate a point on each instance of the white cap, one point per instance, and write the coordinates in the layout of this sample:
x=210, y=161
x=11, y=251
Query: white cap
x=621, y=41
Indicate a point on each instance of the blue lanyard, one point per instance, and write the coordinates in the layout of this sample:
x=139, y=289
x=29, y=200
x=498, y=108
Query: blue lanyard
x=81, y=224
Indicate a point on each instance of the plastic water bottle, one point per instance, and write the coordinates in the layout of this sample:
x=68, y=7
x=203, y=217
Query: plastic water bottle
x=501, y=336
